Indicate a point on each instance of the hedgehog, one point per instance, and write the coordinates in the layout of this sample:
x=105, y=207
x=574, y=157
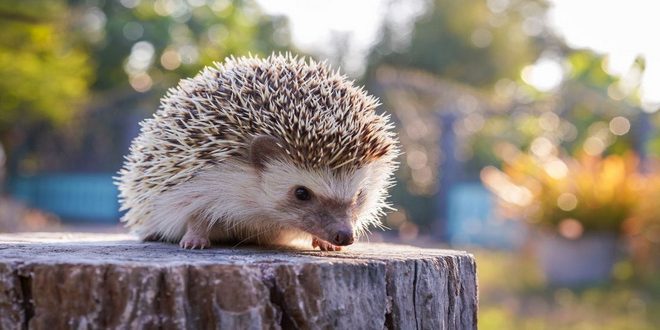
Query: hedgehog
x=266, y=151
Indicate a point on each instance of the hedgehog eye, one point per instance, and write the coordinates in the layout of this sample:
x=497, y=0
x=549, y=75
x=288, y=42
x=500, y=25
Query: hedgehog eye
x=302, y=193
x=359, y=196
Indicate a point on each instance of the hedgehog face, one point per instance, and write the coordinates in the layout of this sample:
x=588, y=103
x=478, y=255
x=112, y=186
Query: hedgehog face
x=334, y=206
x=322, y=203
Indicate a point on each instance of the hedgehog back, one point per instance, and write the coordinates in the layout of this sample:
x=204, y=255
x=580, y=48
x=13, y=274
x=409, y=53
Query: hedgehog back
x=320, y=118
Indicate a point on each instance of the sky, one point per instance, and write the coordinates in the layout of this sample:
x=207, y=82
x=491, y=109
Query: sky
x=620, y=29
x=315, y=23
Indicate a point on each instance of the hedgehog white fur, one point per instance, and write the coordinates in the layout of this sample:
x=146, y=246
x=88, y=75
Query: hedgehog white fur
x=262, y=151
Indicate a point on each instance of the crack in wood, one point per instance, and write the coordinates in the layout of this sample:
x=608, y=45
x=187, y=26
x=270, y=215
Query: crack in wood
x=27, y=304
x=415, y=296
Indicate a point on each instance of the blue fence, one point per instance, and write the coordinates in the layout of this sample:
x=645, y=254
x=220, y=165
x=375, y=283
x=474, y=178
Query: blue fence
x=471, y=216
x=472, y=219
x=78, y=197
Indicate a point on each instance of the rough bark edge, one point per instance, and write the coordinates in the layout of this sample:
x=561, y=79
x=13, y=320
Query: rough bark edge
x=453, y=306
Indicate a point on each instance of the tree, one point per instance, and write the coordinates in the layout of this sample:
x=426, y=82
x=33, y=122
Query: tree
x=44, y=75
x=100, y=66
x=154, y=43
x=471, y=41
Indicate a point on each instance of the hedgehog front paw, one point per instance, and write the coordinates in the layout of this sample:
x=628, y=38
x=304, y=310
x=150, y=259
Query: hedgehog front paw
x=323, y=245
x=194, y=242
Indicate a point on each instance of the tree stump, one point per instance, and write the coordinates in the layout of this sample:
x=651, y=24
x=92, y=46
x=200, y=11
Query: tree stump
x=81, y=281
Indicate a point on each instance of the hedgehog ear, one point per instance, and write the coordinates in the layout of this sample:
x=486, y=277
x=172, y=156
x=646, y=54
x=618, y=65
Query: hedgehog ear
x=264, y=148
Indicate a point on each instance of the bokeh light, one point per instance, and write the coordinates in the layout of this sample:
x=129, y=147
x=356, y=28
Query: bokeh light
x=570, y=228
x=619, y=125
x=545, y=75
x=170, y=59
x=567, y=201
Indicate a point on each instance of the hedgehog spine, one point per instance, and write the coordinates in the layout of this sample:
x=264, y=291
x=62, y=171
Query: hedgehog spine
x=191, y=162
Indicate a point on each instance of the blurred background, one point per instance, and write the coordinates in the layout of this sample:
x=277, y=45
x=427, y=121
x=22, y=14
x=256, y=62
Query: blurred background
x=529, y=128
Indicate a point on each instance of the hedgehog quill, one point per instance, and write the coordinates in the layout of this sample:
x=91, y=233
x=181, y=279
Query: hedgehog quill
x=262, y=151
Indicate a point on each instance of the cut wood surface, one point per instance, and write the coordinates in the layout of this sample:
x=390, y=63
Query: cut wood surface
x=113, y=281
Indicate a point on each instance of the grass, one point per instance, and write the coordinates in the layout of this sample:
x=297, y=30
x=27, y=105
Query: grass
x=514, y=295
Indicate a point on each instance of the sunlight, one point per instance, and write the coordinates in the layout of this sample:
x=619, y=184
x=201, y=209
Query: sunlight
x=45, y=237
x=545, y=75
x=622, y=30
x=317, y=25
x=621, y=34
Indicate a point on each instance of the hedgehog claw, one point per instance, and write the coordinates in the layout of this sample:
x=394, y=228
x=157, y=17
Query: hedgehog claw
x=194, y=242
x=323, y=245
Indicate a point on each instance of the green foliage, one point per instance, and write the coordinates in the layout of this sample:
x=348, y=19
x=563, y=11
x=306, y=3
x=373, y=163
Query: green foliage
x=184, y=36
x=43, y=75
x=654, y=145
x=513, y=295
x=47, y=47
x=587, y=68
x=578, y=110
x=84, y=62
x=466, y=41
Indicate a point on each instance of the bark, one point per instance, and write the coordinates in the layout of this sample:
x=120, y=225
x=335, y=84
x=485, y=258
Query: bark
x=60, y=281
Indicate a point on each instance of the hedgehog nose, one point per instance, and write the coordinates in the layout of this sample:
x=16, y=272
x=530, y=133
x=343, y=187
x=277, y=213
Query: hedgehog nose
x=343, y=237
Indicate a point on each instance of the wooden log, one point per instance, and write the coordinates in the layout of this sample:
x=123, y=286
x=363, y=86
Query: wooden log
x=112, y=281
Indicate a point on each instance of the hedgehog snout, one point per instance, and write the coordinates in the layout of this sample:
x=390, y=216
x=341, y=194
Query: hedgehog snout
x=340, y=233
x=337, y=230
x=343, y=238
